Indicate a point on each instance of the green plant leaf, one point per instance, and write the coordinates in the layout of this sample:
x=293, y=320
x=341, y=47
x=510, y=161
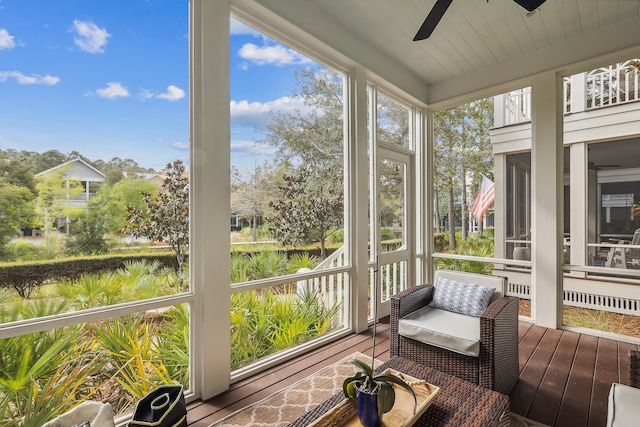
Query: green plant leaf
x=386, y=397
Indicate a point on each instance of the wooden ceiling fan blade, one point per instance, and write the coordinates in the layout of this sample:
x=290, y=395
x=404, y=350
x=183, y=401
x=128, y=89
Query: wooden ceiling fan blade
x=435, y=15
x=530, y=5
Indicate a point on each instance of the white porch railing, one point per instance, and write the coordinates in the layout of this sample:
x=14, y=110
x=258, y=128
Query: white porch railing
x=603, y=296
x=331, y=288
x=517, y=106
x=393, y=279
x=613, y=85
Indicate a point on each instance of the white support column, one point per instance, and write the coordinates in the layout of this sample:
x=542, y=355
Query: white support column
x=358, y=165
x=210, y=195
x=578, y=93
x=499, y=210
x=547, y=200
x=498, y=111
x=578, y=201
x=427, y=175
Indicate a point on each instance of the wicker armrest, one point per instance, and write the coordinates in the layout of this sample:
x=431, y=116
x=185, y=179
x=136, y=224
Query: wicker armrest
x=404, y=303
x=410, y=300
x=634, y=368
x=499, y=339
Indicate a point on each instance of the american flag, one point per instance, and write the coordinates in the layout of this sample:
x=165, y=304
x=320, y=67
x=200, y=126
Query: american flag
x=484, y=199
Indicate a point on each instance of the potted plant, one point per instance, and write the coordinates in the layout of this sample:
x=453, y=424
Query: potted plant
x=373, y=394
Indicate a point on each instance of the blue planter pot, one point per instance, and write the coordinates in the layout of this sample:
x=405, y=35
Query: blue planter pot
x=368, y=408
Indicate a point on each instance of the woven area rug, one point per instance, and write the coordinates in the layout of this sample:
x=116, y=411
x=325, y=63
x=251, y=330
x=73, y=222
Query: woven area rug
x=284, y=406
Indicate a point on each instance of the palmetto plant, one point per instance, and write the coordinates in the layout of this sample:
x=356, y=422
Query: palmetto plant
x=302, y=260
x=267, y=264
x=173, y=343
x=43, y=374
x=268, y=321
x=129, y=343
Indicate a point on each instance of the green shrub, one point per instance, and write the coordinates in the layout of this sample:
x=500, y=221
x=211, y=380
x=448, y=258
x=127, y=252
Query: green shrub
x=24, y=277
x=263, y=322
x=336, y=236
x=267, y=264
x=302, y=260
x=22, y=250
x=386, y=234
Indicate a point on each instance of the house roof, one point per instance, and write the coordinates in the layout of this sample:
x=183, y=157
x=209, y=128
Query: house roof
x=478, y=46
x=77, y=169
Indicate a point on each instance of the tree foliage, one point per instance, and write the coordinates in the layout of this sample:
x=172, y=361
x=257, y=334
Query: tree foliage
x=16, y=211
x=306, y=210
x=166, y=216
x=54, y=192
x=250, y=197
x=462, y=148
x=310, y=147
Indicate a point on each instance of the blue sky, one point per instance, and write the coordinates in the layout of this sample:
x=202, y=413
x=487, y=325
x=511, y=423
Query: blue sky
x=110, y=79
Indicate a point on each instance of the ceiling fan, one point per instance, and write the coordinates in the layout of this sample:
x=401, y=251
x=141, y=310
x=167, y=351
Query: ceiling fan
x=441, y=6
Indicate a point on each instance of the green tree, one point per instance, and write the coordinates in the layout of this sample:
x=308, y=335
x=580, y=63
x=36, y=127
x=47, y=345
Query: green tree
x=16, y=211
x=310, y=147
x=52, y=202
x=48, y=160
x=250, y=198
x=306, y=209
x=166, y=216
x=109, y=205
x=15, y=171
x=462, y=148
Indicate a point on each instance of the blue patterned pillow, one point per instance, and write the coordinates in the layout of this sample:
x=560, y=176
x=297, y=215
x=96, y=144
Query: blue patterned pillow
x=464, y=298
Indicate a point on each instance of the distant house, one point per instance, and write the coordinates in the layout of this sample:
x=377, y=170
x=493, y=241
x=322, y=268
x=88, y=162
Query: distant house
x=153, y=177
x=77, y=170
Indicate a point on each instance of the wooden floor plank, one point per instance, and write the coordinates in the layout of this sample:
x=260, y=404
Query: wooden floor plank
x=574, y=408
x=546, y=404
x=528, y=345
x=606, y=372
x=531, y=376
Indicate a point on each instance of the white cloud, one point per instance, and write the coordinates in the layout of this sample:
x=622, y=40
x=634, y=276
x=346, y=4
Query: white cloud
x=238, y=28
x=33, y=79
x=90, y=37
x=6, y=40
x=112, y=91
x=172, y=94
x=258, y=114
x=182, y=146
x=251, y=147
x=277, y=55
x=145, y=94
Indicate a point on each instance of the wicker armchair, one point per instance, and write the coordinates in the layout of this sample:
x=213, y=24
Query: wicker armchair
x=634, y=368
x=622, y=409
x=496, y=365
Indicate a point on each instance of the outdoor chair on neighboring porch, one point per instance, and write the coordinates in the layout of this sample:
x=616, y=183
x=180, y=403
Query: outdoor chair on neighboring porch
x=625, y=257
x=446, y=328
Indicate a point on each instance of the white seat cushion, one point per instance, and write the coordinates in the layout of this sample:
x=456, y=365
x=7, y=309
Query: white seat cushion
x=623, y=410
x=445, y=329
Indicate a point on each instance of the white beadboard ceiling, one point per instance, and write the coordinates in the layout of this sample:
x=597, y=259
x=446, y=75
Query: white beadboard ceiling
x=478, y=44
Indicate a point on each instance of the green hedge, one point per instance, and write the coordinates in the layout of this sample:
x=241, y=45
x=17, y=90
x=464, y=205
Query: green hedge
x=24, y=277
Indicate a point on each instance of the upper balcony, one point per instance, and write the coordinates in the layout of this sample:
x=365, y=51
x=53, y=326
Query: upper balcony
x=599, y=104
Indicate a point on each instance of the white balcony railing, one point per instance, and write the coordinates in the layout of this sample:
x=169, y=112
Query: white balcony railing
x=602, y=87
x=615, y=84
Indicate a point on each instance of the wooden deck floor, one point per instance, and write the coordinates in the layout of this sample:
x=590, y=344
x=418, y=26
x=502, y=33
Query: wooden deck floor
x=564, y=376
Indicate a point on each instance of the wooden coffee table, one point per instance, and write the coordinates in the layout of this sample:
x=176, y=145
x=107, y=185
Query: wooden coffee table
x=459, y=403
